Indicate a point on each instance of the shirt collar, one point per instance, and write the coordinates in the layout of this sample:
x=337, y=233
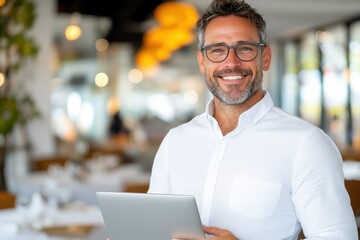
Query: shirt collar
x=252, y=115
x=209, y=111
x=259, y=110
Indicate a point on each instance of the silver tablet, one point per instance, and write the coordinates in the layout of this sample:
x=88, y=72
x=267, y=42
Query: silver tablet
x=139, y=216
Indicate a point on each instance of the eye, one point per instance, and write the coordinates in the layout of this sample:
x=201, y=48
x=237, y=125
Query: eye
x=217, y=50
x=245, y=48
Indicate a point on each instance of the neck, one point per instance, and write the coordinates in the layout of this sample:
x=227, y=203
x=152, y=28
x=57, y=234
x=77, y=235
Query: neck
x=227, y=116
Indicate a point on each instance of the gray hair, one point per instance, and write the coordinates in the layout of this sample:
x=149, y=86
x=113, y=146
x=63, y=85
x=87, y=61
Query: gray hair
x=230, y=7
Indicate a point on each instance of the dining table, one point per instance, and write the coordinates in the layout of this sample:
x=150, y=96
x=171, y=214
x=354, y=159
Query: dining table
x=82, y=186
x=75, y=221
x=61, y=203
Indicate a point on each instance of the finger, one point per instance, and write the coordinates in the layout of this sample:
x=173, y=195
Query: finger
x=216, y=231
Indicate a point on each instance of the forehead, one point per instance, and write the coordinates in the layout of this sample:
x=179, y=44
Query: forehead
x=230, y=29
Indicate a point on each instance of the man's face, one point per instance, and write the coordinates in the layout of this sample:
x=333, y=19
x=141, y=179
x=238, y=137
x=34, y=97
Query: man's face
x=233, y=81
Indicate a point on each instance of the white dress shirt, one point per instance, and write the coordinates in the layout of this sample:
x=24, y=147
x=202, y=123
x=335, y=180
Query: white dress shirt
x=272, y=175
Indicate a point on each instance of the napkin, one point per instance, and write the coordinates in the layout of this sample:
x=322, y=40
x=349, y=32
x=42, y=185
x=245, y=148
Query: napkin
x=37, y=207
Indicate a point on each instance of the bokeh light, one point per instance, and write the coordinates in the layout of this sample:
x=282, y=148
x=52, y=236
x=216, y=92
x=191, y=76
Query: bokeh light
x=135, y=75
x=101, y=79
x=101, y=45
x=191, y=97
x=72, y=32
x=2, y=79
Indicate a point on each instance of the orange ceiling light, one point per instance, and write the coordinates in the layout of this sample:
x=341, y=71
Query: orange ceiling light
x=177, y=14
x=155, y=36
x=174, y=30
x=168, y=14
x=177, y=38
x=169, y=38
x=145, y=59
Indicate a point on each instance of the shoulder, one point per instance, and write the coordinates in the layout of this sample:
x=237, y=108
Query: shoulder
x=296, y=130
x=312, y=142
x=286, y=120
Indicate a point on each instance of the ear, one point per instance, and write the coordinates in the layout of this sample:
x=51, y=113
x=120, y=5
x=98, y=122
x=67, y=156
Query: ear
x=266, y=58
x=200, y=58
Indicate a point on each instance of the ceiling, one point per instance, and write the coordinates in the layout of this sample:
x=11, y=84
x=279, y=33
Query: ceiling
x=126, y=19
x=284, y=17
x=290, y=17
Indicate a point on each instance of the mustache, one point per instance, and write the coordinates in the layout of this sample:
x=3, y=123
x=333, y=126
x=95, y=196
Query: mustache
x=236, y=70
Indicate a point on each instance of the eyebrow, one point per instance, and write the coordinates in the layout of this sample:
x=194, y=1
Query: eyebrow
x=223, y=43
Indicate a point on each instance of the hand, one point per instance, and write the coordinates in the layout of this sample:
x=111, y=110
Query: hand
x=220, y=234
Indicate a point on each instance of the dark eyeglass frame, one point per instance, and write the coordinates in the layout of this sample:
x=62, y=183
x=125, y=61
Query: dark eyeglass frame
x=233, y=47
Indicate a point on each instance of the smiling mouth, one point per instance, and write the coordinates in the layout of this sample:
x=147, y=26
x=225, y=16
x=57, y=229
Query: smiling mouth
x=233, y=74
x=229, y=78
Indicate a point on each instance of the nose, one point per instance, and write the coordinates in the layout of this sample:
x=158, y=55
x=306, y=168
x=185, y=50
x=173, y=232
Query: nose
x=232, y=58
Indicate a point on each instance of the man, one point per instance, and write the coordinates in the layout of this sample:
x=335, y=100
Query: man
x=256, y=172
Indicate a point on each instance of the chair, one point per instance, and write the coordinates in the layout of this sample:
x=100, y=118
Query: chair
x=136, y=187
x=353, y=188
x=7, y=200
x=42, y=164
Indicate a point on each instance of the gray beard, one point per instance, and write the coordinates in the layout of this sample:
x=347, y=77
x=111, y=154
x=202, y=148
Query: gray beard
x=235, y=95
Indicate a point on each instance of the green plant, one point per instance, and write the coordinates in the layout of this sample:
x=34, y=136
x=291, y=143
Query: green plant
x=16, y=107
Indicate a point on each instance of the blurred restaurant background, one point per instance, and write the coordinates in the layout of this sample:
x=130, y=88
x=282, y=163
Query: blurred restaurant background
x=88, y=89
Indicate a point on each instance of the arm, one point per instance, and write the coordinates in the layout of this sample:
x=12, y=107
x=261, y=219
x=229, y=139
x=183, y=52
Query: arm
x=318, y=192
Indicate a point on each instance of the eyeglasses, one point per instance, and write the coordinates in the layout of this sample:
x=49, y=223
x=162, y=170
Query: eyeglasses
x=245, y=51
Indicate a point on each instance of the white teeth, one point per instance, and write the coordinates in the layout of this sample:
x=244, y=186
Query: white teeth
x=232, y=77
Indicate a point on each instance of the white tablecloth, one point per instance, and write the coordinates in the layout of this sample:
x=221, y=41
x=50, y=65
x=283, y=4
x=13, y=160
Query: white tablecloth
x=13, y=225
x=82, y=189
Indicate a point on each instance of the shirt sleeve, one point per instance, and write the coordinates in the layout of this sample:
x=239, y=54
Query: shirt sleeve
x=319, y=195
x=159, y=182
